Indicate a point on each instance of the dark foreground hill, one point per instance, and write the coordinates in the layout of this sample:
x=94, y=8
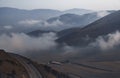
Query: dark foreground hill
x=16, y=66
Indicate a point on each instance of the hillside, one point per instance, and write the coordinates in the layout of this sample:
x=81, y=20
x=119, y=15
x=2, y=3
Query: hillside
x=16, y=66
x=100, y=27
x=10, y=67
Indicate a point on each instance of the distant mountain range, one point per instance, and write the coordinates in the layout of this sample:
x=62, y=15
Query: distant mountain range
x=19, y=20
x=11, y=15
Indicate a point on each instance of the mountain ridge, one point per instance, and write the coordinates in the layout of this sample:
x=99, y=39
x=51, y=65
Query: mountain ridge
x=94, y=29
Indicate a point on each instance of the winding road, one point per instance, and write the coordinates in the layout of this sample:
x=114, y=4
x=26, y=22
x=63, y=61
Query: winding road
x=30, y=68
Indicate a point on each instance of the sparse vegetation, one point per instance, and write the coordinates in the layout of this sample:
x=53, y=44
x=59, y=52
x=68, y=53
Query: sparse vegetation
x=10, y=67
x=11, y=62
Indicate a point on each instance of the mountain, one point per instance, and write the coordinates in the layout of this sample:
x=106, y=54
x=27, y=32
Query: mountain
x=17, y=66
x=38, y=33
x=73, y=20
x=14, y=20
x=103, y=26
x=78, y=11
x=20, y=20
x=11, y=15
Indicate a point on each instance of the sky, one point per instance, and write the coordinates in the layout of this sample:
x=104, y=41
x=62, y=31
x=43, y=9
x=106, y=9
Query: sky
x=62, y=4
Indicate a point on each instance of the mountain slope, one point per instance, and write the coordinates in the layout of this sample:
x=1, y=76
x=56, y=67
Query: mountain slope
x=105, y=25
x=67, y=31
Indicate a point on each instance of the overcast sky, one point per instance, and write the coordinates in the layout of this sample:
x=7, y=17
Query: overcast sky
x=62, y=4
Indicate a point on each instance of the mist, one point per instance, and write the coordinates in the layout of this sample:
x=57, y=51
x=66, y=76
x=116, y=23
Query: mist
x=31, y=25
x=29, y=22
x=20, y=42
x=45, y=47
x=107, y=42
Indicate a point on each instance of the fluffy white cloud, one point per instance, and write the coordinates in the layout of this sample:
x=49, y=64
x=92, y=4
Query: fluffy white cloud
x=22, y=42
x=102, y=13
x=108, y=42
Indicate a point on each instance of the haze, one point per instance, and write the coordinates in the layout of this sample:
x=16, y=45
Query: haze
x=62, y=4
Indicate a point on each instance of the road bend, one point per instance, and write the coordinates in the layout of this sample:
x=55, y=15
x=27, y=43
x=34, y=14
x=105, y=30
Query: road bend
x=30, y=68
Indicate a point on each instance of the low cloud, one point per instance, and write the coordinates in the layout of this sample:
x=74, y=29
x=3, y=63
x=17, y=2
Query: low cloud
x=29, y=22
x=45, y=46
x=53, y=24
x=22, y=42
x=41, y=24
x=107, y=42
x=8, y=27
x=102, y=13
